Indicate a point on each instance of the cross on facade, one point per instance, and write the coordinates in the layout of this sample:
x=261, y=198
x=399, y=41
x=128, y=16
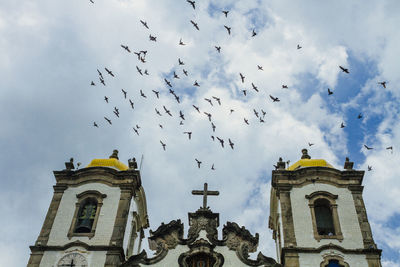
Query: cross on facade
x=205, y=193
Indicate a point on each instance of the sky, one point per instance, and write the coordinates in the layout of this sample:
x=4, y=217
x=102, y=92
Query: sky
x=49, y=55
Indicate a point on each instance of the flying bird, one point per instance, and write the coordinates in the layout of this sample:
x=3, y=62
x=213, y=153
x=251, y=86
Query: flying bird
x=106, y=99
x=153, y=38
x=163, y=145
x=108, y=120
x=102, y=81
x=181, y=115
x=244, y=92
x=213, y=126
x=100, y=74
x=255, y=112
x=330, y=92
x=95, y=124
x=131, y=102
x=228, y=29
x=124, y=92
x=253, y=33
x=197, y=108
x=168, y=82
x=212, y=167
x=369, y=168
x=195, y=25
x=246, y=121
x=157, y=93
x=368, y=148
x=185, y=72
x=298, y=46
x=139, y=70
x=254, y=87
x=342, y=125
x=221, y=141
x=209, y=101
x=167, y=111
x=263, y=112
x=116, y=113
x=181, y=43
x=390, y=148
x=176, y=75
x=198, y=163
x=241, y=77
x=144, y=23
x=274, y=99
x=192, y=3
x=344, y=69
x=359, y=116
x=218, y=100
x=135, y=130
x=126, y=48
x=92, y=83
x=260, y=67
x=146, y=72
x=180, y=62
x=142, y=94
x=208, y=115
x=196, y=84
x=158, y=112
x=225, y=13
x=284, y=86
x=109, y=72
x=310, y=144
x=189, y=134
x=230, y=143
x=218, y=49
x=212, y=137
x=383, y=84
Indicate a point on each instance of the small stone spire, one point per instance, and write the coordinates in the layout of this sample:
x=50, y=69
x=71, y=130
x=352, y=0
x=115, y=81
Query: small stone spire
x=70, y=165
x=348, y=165
x=132, y=163
x=280, y=164
x=305, y=154
x=114, y=154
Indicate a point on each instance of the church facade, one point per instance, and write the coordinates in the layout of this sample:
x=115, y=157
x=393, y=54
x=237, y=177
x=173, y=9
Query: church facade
x=98, y=214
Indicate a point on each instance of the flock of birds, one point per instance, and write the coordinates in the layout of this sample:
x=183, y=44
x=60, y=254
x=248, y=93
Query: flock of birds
x=141, y=57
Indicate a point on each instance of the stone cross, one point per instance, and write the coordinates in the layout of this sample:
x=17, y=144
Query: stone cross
x=205, y=193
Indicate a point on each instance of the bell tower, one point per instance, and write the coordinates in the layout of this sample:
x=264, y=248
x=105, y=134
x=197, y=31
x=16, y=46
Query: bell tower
x=87, y=221
x=318, y=216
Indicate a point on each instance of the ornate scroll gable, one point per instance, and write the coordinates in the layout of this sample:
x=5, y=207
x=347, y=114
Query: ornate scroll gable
x=167, y=235
x=203, y=219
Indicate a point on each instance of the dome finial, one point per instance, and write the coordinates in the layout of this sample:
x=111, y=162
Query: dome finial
x=114, y=154
x=305, y=154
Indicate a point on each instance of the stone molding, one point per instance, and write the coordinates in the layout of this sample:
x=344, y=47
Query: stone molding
x=359, y=251
x=168, y=236
x=77, y=243
x=334, y=257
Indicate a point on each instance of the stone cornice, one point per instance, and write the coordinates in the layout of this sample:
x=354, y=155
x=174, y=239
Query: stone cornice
x=284, y=179
x=362, y=251
x=127, y=180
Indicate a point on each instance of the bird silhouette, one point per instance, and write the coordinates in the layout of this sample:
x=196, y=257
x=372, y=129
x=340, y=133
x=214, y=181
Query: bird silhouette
x=100, y=74
x=135, y=130
x=157, y=93
x=208, y=115
x=132, y=105
x=344, y=69
x=185, y=72
x=92, y=83
x=213, y=126
x=189, y=134
x=116, y=113
x=180, y=62
x=142, y=94
x=124, y=92
x=221, y=141
x=108, y=120
x=383, y=84
x=212, y=137
x=218, y=100
x=158, y=112
x=218, y=49
x=160, y=126
x=102, y=81
x=153, y=38
x=274, y=99
x=284, y=86
x=192, y=3
x=310, y=144
x=330, y=92
x=106, y=99
x=246, y=121
x=144, y=23
x=369, y=168
x=298, y=46
x=139, y=70
x=342, y=125
x=225, y=13
x=146, y=72
x=228, y=29
x=242, y=77
x=181, y=43
x=255, y=112
x=163, y=145
x=368, y=148
x=181, y=115
x=176, y=75
x=197, y=108
x=390, y=148
x=167, y=111
x=168, y=82
x=254, y=87
x=359, y=116
x=253, y=33
x=126, y=48
x=230, y=143
x=95, y=124
x=196, y=84
x=263, y=112
x=212, y=167
x=244, y=92
x=109, y=72
x=260, y=67
x=209, y=101
x=198, y=163
x=195, y=25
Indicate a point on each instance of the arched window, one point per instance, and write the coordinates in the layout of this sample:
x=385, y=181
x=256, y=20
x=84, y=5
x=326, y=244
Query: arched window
x=334, y=263
x=87, y=210
x=86, y=216
x=324, y=215
x=201, y=260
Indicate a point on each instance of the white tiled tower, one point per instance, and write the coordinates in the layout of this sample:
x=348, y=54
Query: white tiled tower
x=87, y=221
x=318, y=216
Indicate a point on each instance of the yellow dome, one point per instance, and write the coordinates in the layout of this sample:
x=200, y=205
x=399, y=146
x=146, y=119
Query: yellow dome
x=306, y=161
x=111, y=162
x=309, y=163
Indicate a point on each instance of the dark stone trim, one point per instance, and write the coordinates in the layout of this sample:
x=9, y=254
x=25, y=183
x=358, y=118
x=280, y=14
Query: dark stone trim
x=121, y=218
x=365, y=227
x=141, y=258
x=289, y=237
x=37, y=249
x=321, y=193
x=91, y=192
x=360, y=251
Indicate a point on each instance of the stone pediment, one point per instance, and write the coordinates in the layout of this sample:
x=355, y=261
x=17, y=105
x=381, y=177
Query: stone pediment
x=169, y=236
